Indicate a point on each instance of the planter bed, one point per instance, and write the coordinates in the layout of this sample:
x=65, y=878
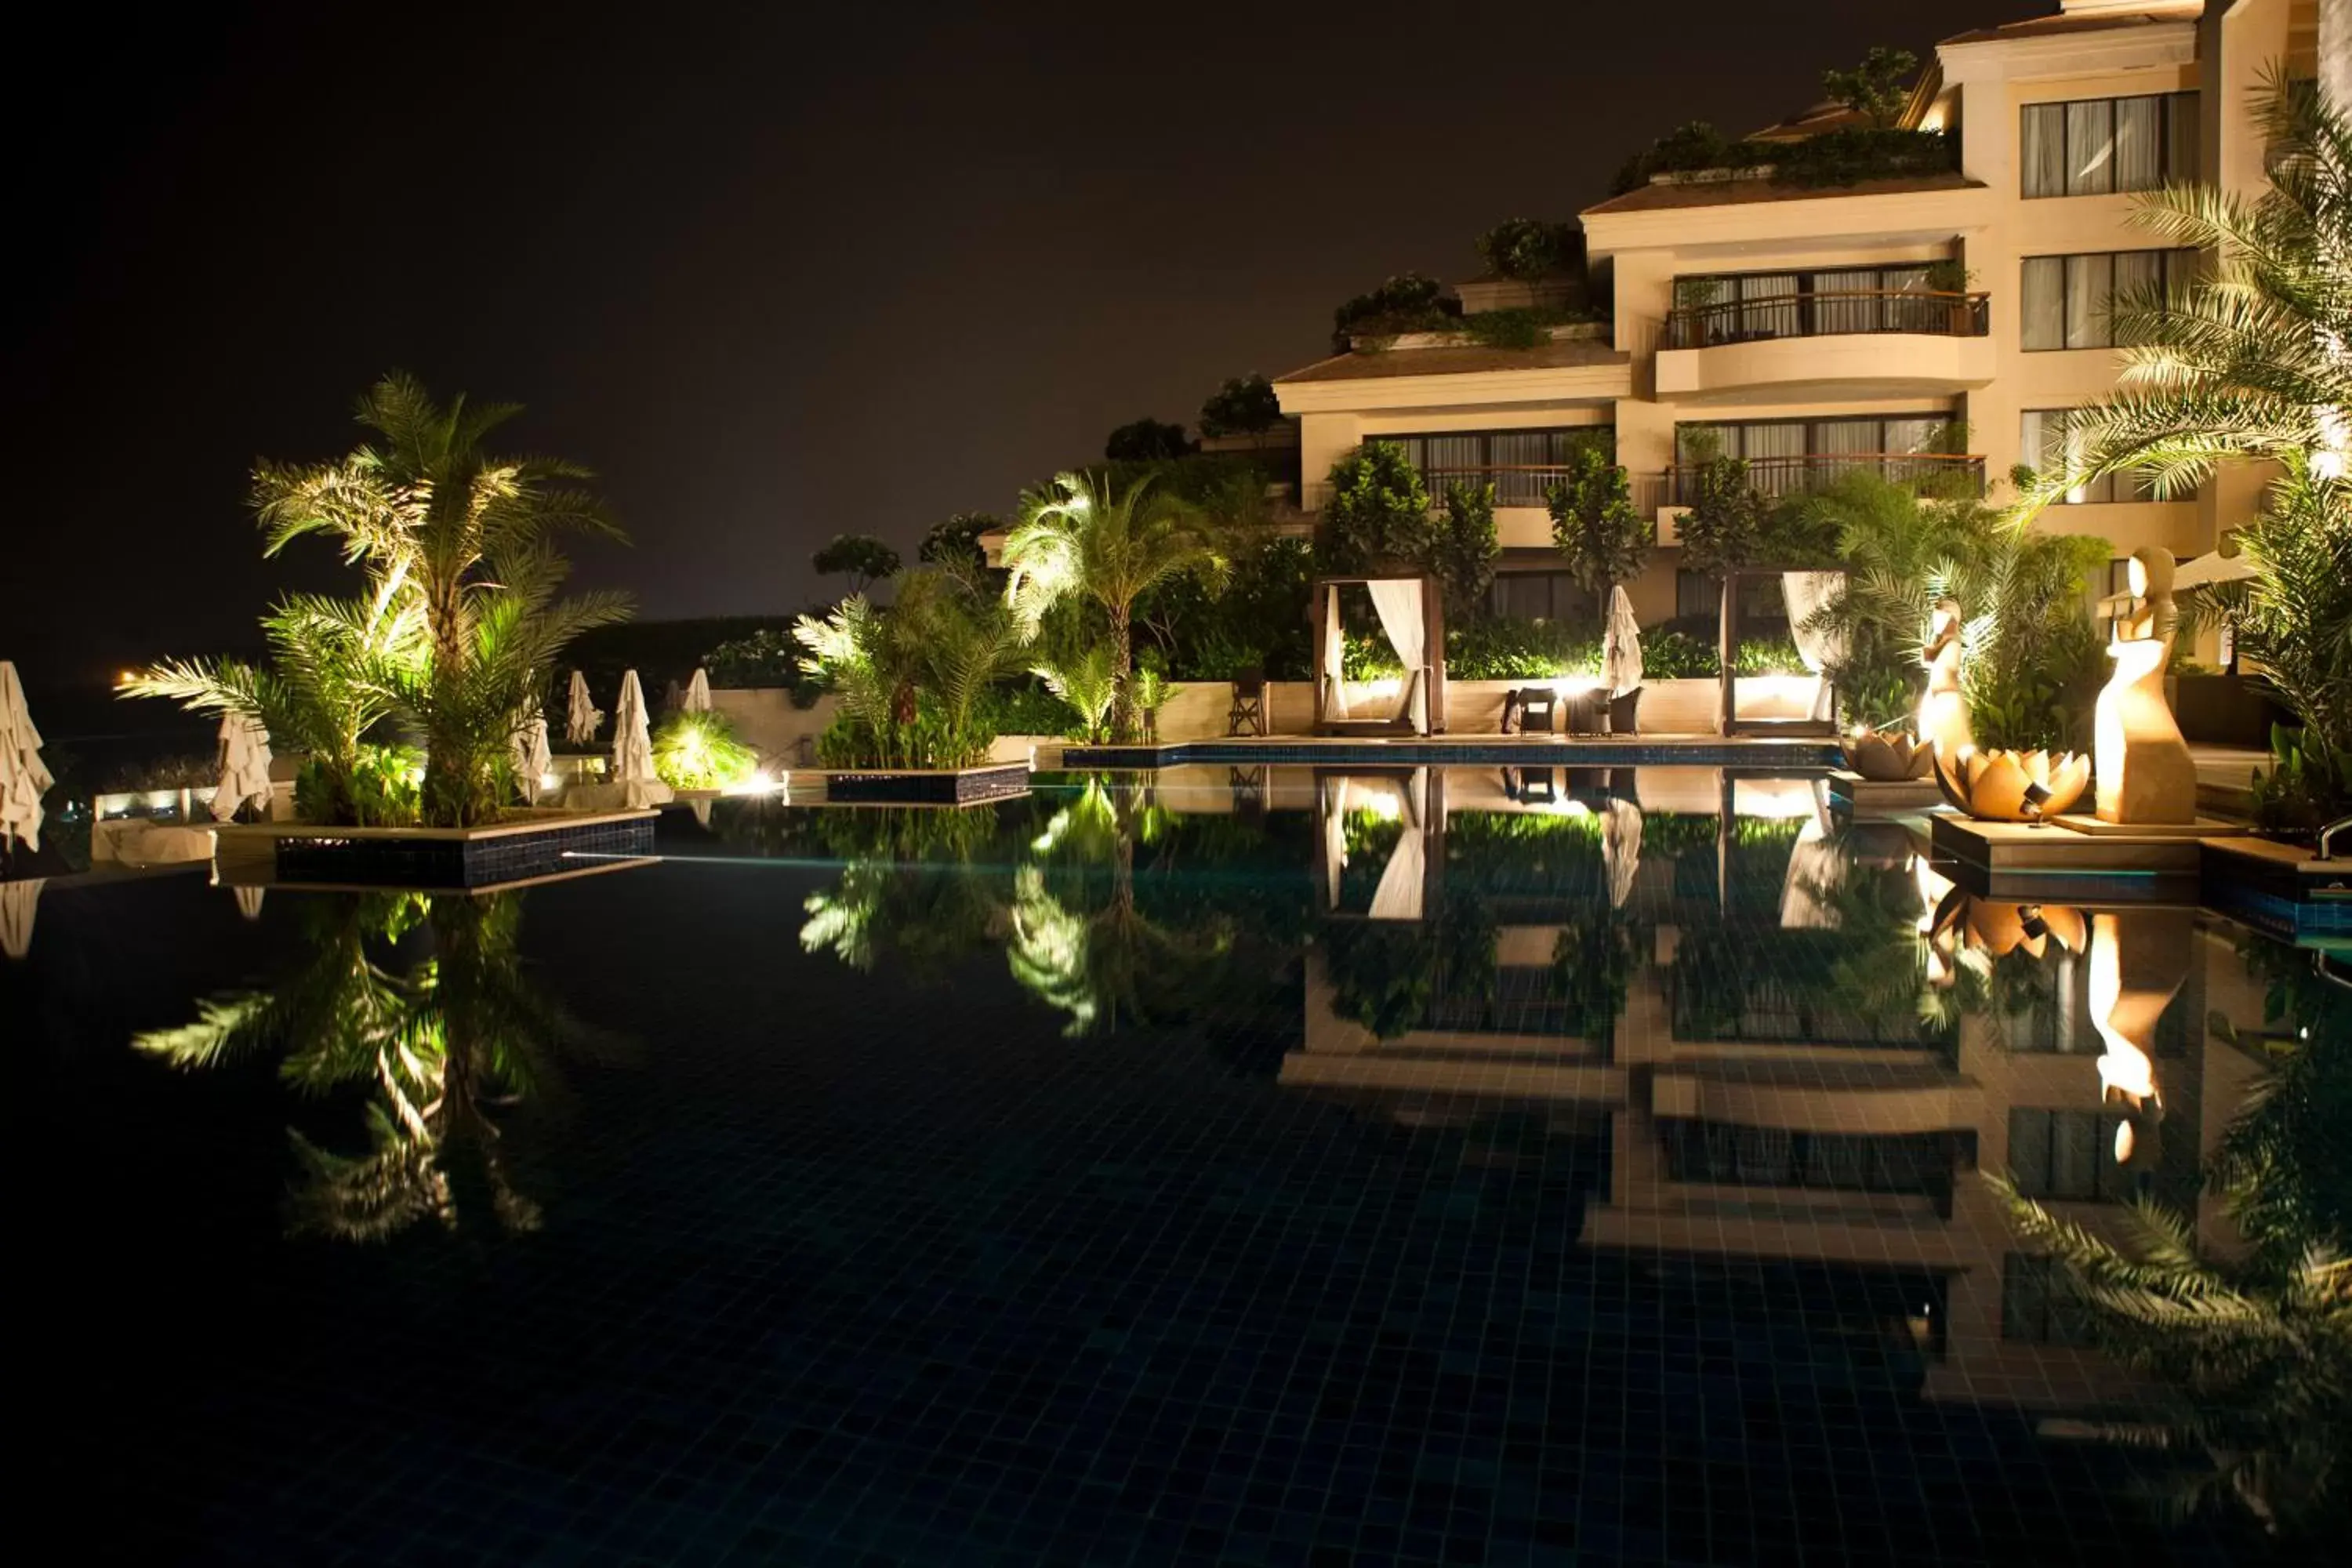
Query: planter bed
x=928, y=786
x=532, y=844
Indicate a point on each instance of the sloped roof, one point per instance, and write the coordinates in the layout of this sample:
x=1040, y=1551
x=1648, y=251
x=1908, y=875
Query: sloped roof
x=1723, y=192
x=1561, y=353
x=2158, y=15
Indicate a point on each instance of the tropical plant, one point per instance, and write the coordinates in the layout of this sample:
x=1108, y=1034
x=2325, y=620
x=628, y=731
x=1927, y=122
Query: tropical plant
x=914, y=682
x=1085, y=684
x=1603, y=537
x=860, y=557
x=1407, y=302
x=1243, y=405
x=1147, y=440
x=2252, y=359
x=1527, y=248
x=1375, y=513
x=1464, y=552
x=325, y=686
x=1084, y=538
x=462, y=537
x=701, y=750
x=1256, y=618
x=1873, y=89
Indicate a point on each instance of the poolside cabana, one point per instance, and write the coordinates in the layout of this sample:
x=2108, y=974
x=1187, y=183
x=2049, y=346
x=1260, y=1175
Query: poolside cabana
x=1412, y=608
x=1804, y=591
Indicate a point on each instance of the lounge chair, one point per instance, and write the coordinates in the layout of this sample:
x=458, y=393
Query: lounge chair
x=1399, y=723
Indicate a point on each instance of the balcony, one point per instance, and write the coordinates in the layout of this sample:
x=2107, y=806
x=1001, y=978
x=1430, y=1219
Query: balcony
x=1935, y=473
x=1515, y=484
x=1878, y=341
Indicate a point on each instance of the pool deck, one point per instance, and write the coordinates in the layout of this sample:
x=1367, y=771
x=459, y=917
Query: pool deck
x=1511, y=751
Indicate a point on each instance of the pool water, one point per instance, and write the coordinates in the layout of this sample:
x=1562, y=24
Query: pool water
x=1220, y=1166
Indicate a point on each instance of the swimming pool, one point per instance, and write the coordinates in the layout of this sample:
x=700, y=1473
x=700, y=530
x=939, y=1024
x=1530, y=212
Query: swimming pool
x=1221, y=1165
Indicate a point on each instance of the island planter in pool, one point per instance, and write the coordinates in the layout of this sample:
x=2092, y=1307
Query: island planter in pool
x=527, y=846
x=927, y=786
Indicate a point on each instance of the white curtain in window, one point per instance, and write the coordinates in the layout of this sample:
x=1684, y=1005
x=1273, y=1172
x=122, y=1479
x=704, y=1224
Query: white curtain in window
x=1767, y=306
x=1847, y=302
x=1914, y=435
x=2138, y=275
x=2090, y=147
x=1847, y=437
x=1808, y=593
x=2090, y=281
x=2044, y=158
x=1335, y=659
x=2139, y=143
x=2045, y=313
x=1398, y=602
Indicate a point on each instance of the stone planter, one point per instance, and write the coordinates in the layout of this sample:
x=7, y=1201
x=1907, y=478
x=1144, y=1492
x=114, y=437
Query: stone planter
x=928, y=786
x=534, y=844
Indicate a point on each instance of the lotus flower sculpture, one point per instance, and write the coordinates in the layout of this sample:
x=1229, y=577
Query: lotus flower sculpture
x=1887, y=755
x=2011, y=786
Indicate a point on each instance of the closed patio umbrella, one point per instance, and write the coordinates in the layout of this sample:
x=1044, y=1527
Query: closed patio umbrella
x=22, y=778
x=244, y=767
x=698, y=692
x=2210, y=568
x=1620, y=645
x=532, y=760
x=582, y=716
x=632, y=748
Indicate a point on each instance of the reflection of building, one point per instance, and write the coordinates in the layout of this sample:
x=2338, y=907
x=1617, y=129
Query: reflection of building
x=1754, y=1114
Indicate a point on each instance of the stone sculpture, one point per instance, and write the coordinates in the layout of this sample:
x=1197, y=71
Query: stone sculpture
x=2144, y=772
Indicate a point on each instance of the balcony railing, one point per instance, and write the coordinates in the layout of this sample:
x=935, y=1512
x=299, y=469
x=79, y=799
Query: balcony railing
x=1515, y=484
x=1939, y=473
x=1827, y=314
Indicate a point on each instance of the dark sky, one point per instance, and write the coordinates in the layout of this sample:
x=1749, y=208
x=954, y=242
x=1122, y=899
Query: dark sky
x=775, y=271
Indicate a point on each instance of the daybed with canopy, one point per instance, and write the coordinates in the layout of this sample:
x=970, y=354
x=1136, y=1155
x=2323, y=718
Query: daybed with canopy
x=1411, y=609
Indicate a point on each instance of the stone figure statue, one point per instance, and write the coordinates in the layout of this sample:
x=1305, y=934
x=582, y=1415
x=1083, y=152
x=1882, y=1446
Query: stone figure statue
x=1943, y=724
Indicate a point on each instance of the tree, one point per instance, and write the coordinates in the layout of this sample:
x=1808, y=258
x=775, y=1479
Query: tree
x=862, y=558
x=462, y=535
x=1725, y=525
x=1081, y=537
x=1529, y=247
x=1407, y=302
x=1873, y=89
x=911, y=679
x=1147, y=440
x=1377, y=513
x=1245, y=405
x=2252, y=361
x=1465, y=549
x=1595, y=525
x=955, y=542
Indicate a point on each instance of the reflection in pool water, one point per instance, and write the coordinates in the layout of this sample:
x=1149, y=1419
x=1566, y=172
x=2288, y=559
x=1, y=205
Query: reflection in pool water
x=1223, y=1165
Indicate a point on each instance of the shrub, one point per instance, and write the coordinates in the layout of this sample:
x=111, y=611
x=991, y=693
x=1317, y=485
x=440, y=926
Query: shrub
x=386, y=788
x=1831, y=158
x=701, y=750
x=1378, y=511
x=1603, y=537
x=1408, y=302
x=1465, y=547
x=1146, y=440
x=769, y=657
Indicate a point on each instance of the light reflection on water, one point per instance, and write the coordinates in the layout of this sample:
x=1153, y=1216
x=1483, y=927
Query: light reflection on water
x=1762, y=1046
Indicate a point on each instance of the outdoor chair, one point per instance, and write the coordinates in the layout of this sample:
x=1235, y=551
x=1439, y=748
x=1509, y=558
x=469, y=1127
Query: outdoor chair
x=1584, y=711
x=1537, y=705
x=1248, y=714
x=1621, y=713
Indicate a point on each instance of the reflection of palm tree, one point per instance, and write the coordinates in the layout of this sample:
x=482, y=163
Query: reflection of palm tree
x=913, y=893
x=441, y=1044
x=1078, y=941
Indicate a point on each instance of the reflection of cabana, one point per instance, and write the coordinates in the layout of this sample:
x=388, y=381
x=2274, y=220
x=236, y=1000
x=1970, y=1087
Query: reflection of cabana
x=1804, y=593
x=1411, y=610
x=1415, y=799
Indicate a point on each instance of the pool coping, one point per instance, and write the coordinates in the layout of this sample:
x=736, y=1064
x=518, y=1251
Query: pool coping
x=1475, y=751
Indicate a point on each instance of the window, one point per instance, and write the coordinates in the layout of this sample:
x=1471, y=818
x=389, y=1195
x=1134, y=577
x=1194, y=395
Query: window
x=1520, y=464
x=1748, y=307
x=2067, y=1155
x=1787, y=457
x=2036, y=1305
x=2066, y=300
x=1722, y=1153
x=1542, y=596
x=2044, y=443
x=2096, y=146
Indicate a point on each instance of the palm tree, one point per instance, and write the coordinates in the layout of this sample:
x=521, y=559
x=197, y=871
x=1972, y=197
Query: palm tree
x=1079, y=536
x=436, y=518
x=914, y=679
x=325, y=687
x=2253, y=360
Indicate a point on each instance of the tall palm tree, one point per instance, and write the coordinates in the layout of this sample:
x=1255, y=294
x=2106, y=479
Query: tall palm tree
x=2253, y=360
x=437, y=518
x=1080, y=536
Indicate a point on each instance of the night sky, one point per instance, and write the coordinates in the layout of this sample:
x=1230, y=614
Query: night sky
x=776, y=272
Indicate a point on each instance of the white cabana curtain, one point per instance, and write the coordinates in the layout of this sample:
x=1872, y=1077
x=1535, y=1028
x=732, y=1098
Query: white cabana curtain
x=698, y=692
x=19, y=902
x=244, y=767
x=1620, y=645
x=1398, y=602
x=1335, y=657
x=1398, y=894
x=249, y=901
x=1817, y=870
x=1819, y=646
x=22, y=777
